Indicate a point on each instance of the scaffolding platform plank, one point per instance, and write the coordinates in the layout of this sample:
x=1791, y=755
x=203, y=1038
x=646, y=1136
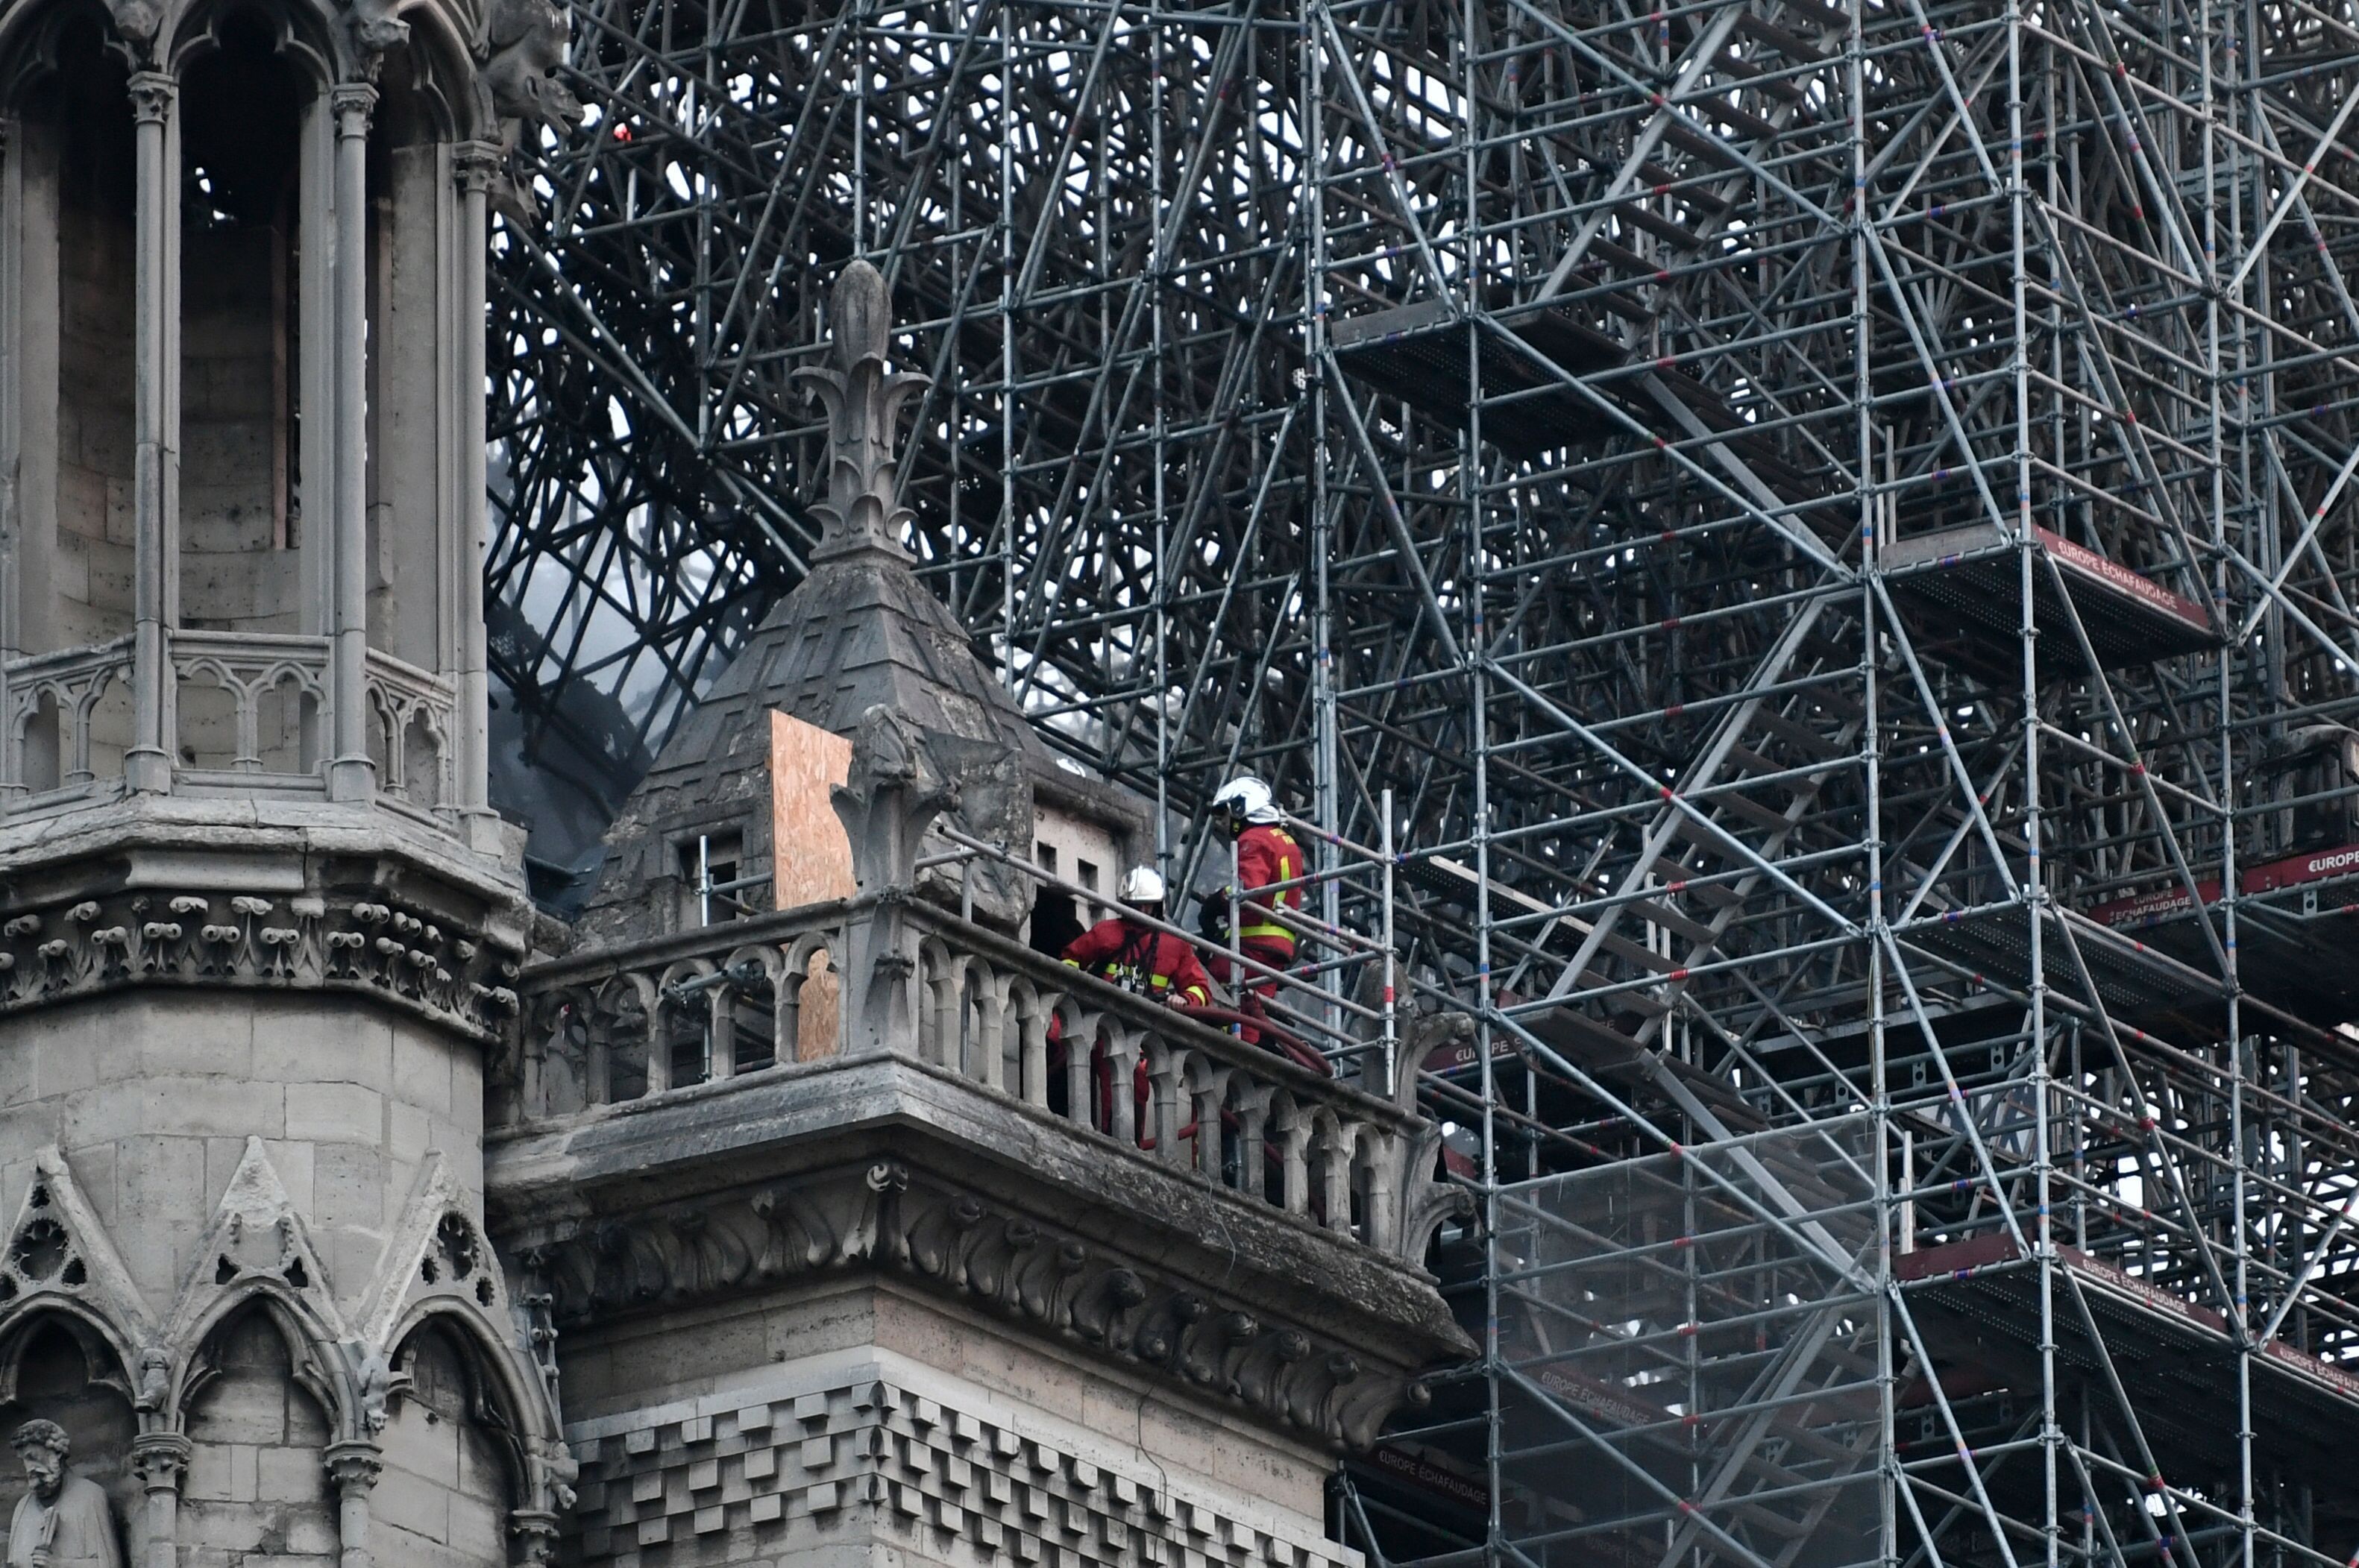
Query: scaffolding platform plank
x=2294, y=930
x=2177, y=1357
x=2133, y=977
x=1417, y=353
x=1965, y=582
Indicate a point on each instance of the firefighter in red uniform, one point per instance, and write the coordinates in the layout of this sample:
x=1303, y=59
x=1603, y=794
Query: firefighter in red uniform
x=1139, y=958
x=1144, y=961
x=1267, y=858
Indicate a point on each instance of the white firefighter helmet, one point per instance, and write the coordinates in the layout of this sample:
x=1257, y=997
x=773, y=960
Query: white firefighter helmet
x=1247, y=798
x=1142, y=885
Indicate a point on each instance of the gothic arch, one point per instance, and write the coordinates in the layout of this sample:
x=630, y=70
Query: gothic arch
x=435, y=71
x=31, y=40
x=314, y=1357
x=57, y=1364
x=107, y=1361
x=299, y=33
x=515, y=1407
x=508, y=1406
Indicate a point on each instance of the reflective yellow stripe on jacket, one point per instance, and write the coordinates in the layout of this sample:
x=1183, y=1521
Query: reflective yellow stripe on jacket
x=1159, y=982
x=1281, y=933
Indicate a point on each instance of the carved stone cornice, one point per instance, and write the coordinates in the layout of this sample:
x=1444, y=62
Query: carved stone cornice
x=421, y=963
x=885, y=1216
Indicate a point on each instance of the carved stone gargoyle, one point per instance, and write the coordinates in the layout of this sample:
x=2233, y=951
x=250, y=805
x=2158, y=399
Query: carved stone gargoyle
x=995, y=804
x=522, y=54
x=894, y=793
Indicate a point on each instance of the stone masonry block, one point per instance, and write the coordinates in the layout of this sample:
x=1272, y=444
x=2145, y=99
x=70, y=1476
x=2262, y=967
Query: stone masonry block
x=178, y=1041
x=334, y=1113
x=422, y=1068
x=209, y=1473
x=348, y=1183
x=410, y=1132
x=291, y=1475
x=412, y=1503
x=287, y=1049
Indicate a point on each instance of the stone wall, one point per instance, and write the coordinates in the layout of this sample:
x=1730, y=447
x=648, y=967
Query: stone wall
x=236, y=573
x=256, y=1492
x=155, y=1093
x=443, y=1498
x=825, y=1428
x=92, y=566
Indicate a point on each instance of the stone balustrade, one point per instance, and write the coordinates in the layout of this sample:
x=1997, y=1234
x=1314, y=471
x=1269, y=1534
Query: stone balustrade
x=760, y=1001
x=412, y=721
x=67, y=718
x=248, y=705
x=246, y=713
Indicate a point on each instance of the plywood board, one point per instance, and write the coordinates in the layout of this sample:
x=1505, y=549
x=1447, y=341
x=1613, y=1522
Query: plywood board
x=811, y=860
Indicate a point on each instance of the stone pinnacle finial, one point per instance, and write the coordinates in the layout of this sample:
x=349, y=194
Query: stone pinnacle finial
x=863, y=510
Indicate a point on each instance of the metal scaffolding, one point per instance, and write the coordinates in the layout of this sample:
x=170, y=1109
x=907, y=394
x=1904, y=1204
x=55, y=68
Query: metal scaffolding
x=1832, y=525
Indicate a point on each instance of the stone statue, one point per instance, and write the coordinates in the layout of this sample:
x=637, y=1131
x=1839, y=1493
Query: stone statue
x=63, y=1521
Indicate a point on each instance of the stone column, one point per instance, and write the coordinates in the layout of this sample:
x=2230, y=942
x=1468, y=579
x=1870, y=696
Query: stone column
x=12, y=426
x=535, y=1530
x=353, y=1468
x=148, y=763
x=474, y=165
x=350, y=774
x=160, y=1459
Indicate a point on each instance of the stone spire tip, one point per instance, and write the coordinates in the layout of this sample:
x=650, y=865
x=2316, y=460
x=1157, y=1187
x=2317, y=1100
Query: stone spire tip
x=860, y=314
x=861, y=512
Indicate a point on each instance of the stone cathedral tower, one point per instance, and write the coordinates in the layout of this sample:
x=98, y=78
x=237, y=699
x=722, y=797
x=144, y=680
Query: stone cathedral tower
x=307, y=1162
x=258, y=928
